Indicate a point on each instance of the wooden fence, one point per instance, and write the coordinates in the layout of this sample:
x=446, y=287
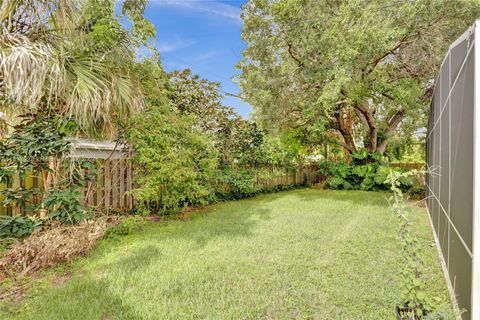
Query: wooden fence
x=108, y=188
x=307, y=175
x=112, y=180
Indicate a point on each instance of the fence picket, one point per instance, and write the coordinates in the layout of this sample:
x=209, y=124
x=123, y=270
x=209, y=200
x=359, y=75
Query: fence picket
x=121, y=182
x=108, y=184
x=111, y=186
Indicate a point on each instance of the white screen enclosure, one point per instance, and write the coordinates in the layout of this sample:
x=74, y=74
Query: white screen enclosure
x=453, y=178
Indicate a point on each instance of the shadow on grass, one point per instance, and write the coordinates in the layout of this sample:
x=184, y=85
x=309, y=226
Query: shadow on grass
x=230, y=219
x=239, y=218
x=360, y=198
x=93, y=300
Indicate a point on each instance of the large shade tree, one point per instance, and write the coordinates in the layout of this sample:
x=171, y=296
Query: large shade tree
x=357, y=71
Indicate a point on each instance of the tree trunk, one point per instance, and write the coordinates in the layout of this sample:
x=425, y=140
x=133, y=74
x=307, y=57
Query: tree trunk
x=393, y=124
x=369, y=120
x=346, y=131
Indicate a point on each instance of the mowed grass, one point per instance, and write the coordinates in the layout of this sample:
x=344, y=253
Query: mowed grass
x=304, y=254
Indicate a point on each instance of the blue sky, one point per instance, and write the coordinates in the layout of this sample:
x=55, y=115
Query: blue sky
x=203, y=35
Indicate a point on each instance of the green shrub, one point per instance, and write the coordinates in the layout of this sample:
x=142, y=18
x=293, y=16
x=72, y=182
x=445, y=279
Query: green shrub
x=64, y=205
x=174, y=162
x=18, y=226
x=439, y=315
x=365, y=172
x=241, y=183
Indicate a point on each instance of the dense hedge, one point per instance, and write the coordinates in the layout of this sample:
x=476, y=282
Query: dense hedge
x=366, y=172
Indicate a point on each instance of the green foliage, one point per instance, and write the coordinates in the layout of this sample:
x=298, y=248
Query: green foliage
x=365, y=172
x=175, y=160
x=415, y=303
x=35, y=144
x=193, y=95
x=240, y=183
x=406, y=149
x=73, y=58
x=190, y=149
x=34, y=141
x=18, y=196
x=349, y=71
x=439, y=315
x=18, y=226
x=64, y=205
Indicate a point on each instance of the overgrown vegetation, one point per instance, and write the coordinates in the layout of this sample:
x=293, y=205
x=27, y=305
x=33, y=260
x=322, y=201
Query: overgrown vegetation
x=415, y=302
x=66, y=69
x=17, y=226
x=37, y=147
x=367, y=171
x=190, y=149
x=358, y=74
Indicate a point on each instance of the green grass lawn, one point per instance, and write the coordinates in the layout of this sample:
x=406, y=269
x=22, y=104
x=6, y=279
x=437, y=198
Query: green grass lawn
x=304, y=254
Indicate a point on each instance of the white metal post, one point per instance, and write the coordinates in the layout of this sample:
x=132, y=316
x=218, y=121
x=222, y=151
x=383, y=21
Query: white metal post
x=475, y=302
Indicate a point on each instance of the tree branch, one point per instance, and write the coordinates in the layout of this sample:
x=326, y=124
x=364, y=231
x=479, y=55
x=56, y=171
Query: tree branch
x=392, y=126
x=376, y=61
x=370, y=120
x=292, y=54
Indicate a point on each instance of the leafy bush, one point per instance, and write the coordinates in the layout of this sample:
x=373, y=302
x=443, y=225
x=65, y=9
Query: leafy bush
x=415, y=304
x=237, y=184
x=64, y=205
x=234, y=184
x=38, y=145
x=18, y=226
x=175, y=162
x=365, y=172
x=439, y=315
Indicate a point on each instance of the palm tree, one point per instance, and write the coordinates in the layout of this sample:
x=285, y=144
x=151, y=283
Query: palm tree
x=73, y=59
x=69, y=56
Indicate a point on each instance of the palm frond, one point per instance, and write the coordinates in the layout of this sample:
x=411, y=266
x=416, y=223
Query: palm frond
x=23, y=69
x=44, y=61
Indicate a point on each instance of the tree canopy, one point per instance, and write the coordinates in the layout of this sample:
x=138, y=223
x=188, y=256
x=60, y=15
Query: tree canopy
x=356, y=71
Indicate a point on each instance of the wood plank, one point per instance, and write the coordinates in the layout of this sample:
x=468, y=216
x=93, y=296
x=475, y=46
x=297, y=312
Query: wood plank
x=16, y=184
x=122, y=183
x=115, y=178
x=99, y=184
x=90, y=189
x=3, y=210
x=108, y=184
x=129, y=184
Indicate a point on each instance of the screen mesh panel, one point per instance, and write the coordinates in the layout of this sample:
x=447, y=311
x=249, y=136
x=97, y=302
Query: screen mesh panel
x=450, y=156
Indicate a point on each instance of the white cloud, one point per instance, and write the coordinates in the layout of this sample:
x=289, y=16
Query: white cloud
x=213, y=8
x=205, y=56
x=172, y=45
